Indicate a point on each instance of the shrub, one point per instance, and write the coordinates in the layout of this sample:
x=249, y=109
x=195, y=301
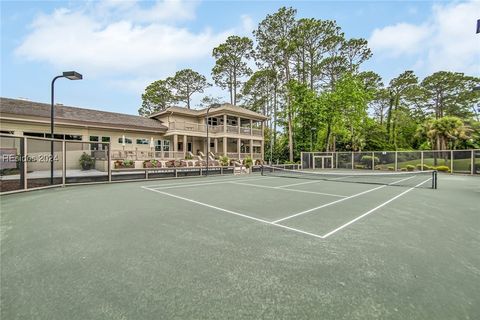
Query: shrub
x=151, y=164
x=359, y=166
x=86, y=161
x=378, y=167
x=128, y=163
x=119, y=164
x=224, y=161
x=410, y=167
x=391, y=168
x=367, y=161
x=403, y=169
x=248, y=162
x=188, y=157
x=442, y=169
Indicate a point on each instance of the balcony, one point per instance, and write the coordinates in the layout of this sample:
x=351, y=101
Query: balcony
x=197, y=127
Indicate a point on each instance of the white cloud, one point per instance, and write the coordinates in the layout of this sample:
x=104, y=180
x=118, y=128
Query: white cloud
x=119, y=37
x=446, y=41
x=402, y=38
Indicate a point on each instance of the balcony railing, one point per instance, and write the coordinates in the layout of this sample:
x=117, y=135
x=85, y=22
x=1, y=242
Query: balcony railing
x=197, y=127
x=146, y=155
x=232, y=129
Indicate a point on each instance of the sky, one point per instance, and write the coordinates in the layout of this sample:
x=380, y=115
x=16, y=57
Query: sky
x=122, y=46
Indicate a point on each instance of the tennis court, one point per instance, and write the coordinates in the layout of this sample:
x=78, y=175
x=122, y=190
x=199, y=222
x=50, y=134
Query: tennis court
x=282, y=245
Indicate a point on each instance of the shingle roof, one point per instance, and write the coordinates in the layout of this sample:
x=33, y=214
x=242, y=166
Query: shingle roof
x=78, y=115
x=222, y=107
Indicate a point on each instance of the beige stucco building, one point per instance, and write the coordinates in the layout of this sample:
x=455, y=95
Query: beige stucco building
x=170, y=134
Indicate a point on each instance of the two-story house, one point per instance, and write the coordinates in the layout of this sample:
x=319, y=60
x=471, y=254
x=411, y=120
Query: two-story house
x=170, y=134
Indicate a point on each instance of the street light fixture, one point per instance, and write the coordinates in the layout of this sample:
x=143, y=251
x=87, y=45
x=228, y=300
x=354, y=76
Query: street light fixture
x=313, y=133
x=71, y=75
x=213, y=106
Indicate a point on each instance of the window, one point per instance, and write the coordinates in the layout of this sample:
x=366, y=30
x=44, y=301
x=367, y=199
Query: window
x=166, y=145
x=34, y=134
x=94, y=138
x=212, y=144
x=55, y=136
x=127, y=140
x=6, y=132
x=73, y=137
x=94, y=146
x=212, y=121
x=143, y=141
x=106, y=139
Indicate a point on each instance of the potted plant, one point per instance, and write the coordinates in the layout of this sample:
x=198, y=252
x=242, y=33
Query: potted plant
x=248, y=163
x=128, y=163
x=224, y=161
x=86, y=161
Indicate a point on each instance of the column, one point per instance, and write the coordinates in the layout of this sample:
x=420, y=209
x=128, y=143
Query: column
x=251, y=127
x=185, y=145
x=239, y=124
x=224, y=123
x=239, y=142
x=262, y=148
x=175, y=142
x=251, y=147
x=215, y=142
x=225, y=146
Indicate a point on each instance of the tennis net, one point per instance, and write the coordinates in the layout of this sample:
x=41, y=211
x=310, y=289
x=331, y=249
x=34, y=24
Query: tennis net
x=418, y=179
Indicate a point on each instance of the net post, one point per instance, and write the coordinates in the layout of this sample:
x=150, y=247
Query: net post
x=434, y=179
x=261, y=170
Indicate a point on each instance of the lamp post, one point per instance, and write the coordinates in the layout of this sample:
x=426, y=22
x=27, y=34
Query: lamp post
x=71, y=75
x=213, y=106
x=313, y=133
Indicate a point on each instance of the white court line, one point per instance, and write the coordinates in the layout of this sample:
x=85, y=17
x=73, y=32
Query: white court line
x=337, y=201
x=291, y=190
x=298, y=184
x=235, y=213
x=374, y=209
x=213, y=179
x=179, y=185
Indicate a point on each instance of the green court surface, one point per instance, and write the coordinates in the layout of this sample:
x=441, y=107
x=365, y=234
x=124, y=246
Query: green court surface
x=243, y=247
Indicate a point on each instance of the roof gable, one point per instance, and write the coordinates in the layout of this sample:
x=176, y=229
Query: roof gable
x=74, y=114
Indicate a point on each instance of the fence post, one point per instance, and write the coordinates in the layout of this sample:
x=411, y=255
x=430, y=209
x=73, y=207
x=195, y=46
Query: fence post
x=421, y=160
x=109, y=164
x=352, y=159
x=396, y=160
x=451, y=161
x=25, y=163
x=301, y=159
x=472, y=162
x=64, y=163
x=373, y=160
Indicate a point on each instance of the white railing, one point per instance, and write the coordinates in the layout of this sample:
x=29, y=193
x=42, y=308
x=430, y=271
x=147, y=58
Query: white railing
x=257, y=132
x=232, y=129
x=186, y=126
x=245, y=130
